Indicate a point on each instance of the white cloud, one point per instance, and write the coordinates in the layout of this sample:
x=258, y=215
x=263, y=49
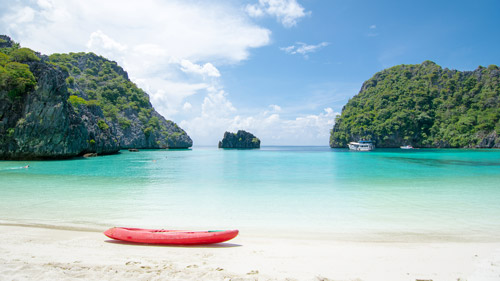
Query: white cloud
x=275, y=107
x=303, y=48
x=372, y=32
x=157, y=42
x=207, y=69
x=288, y=12
x=168, y=97
x=197, y=31
x=26, y=14
x=104, y=45
x=187, y=106
x=169, y=49
x=216, y=104
x=268, y=125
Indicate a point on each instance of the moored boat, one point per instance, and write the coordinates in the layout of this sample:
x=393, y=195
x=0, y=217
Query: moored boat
x=170, y=237
x=407, y=147
x=362, y=145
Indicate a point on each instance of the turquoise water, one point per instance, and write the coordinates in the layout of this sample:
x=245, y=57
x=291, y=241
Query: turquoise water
x=387, y=194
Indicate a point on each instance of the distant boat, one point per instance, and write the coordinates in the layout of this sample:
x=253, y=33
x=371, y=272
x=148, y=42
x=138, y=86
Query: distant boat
x=407, y=147
x=362, y=145
x=170, y=237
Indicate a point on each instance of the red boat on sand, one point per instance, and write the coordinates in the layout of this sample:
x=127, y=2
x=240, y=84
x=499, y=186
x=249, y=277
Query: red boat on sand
x=170, y=237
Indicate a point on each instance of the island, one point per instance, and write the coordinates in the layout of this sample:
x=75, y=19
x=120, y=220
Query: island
x=241, y=140
x=67, y=105
x=424, y=105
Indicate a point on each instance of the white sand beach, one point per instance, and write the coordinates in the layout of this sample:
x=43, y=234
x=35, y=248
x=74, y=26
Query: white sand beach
x=37, y=253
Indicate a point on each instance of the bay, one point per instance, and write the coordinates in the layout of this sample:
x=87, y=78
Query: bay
x=385, y=194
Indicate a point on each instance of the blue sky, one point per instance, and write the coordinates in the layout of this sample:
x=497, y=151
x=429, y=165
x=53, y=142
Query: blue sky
x=281, y=69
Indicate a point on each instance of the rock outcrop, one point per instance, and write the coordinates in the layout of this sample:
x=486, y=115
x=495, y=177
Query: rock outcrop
x=424, y=105
x=127, y=110
x=241, y=140
x=43, y=122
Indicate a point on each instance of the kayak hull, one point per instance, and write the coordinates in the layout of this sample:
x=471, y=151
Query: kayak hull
x=170, y=237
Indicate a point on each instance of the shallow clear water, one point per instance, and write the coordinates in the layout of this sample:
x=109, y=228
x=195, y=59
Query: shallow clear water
x=452, y=194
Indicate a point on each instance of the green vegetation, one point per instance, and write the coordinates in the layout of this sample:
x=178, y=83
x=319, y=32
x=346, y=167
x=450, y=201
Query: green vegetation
x=76, y=101
x=98, y=90
x=124, y=123
x=176, y=134
x=423, y=105
x=102, y=125
x=104, y=84
x=10, y=132
x=95, y=81
x=23, y=55
x=15, y=77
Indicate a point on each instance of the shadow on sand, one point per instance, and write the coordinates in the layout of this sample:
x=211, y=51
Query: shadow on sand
x=217, y=245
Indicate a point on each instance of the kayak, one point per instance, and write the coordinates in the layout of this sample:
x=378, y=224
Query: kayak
x=170, y=237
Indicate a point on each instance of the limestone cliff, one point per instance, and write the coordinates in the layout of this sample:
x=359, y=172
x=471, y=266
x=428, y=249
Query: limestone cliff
x=241, y=139
x=424, y=105
x=54, y=118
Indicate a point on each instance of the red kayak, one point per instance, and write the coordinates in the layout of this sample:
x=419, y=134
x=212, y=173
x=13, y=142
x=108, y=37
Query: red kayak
x=170, y=237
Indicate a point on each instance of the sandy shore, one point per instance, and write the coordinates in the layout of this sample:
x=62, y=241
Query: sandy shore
x=35, y=253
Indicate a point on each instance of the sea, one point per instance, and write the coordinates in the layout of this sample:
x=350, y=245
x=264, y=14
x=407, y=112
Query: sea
x=383, y=195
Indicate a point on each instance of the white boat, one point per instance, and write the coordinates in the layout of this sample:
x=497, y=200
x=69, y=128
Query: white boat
x=407, y=147
x=362, y=145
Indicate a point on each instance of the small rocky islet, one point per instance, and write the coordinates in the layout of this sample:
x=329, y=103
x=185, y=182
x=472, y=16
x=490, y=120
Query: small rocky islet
x=241, y=140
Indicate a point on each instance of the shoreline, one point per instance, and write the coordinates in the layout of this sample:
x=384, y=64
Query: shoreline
x=289, y=233
x=38, y=253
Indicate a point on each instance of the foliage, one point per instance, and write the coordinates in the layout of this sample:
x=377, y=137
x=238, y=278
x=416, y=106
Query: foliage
x=100, y=82
x=102, y=125
x=148, y=131
x=10, y=132
x=176, y=134
x=17, y=79
x=423, y=105
x=124, y=123
x=23, y=55
x=70, y=80
x=99, y=79
x=76, y=101
x=4, y=59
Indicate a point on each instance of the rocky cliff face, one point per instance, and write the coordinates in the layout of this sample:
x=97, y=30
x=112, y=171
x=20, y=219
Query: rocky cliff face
x=95, y=80
x=241, y=139
x=424, y=105
x=43, y=122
